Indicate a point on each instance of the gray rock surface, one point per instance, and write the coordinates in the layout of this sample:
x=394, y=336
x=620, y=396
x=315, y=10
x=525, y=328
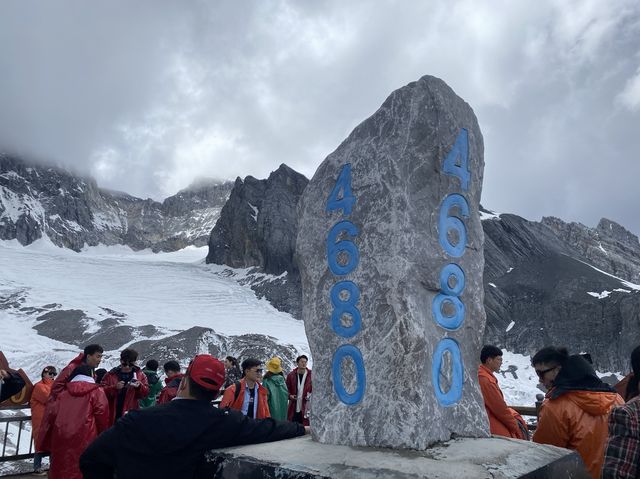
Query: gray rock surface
x=197, y=340
x=257, y=228
x=257, y=225
x=541, y=289
x=73, y=212
x=397, y=159
x=301, y=458
x=608, y=246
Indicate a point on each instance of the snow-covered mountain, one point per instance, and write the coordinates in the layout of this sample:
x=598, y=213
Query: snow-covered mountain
x=73, y=212
x=166, y=306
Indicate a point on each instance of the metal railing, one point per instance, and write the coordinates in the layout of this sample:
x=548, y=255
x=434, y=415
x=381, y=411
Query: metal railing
x=10, y=424
x=531, y=411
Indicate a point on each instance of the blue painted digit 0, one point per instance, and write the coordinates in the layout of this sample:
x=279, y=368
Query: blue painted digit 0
x=447, y=223
x=450, y=323
x=347, y=351
x=348, y=306
x=454, y=394
x=335, y=248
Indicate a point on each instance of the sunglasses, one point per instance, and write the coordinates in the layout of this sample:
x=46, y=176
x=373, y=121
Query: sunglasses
x=544, y=371
x=51, y=373
x=259, y=371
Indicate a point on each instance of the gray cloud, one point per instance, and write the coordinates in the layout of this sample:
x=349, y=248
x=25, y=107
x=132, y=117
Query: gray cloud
x=146, y=96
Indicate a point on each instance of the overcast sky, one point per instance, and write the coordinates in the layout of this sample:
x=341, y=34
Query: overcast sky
x=148, y=95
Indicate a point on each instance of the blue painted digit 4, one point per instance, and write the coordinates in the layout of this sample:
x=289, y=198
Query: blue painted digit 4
x=346, y=200
x=457, y=161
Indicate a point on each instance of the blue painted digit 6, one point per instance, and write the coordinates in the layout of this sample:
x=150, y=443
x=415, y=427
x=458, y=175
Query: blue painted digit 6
x=348, y=306
x=459, y=152
x=343, y=352
x=348, y=246
x=447, y=223
x=454, y=394
x=335, y=202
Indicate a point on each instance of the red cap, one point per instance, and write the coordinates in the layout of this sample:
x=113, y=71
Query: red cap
x=206, y=371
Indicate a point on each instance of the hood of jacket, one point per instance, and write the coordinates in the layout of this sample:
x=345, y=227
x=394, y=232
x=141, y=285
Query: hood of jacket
x=276, y=379
x=577, y=374
x=80, y=388
x=117, y=369
x=173, y=381
x=593, y=403
x=152, y=376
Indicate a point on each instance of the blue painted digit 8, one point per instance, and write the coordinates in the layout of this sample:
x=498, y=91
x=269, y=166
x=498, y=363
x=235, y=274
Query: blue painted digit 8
x=449, y=296
x=454, y=394
x=454, y=270
x=348, y=246
x=344, y=352
x=447, y=223
x=347, y=306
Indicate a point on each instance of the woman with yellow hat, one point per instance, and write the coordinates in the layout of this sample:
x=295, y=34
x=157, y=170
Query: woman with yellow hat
x=273, y=381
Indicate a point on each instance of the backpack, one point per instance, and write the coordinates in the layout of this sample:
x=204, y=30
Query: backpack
x=236, y=393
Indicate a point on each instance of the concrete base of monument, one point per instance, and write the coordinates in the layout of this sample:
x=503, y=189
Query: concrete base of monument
x=302, y=458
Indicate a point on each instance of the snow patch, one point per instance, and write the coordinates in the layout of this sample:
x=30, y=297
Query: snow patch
x=509, y=270
x=255, y=212
x=602, y=295
x=492, y=285
x=489, y=215
x=510, y=327
x=629, y=284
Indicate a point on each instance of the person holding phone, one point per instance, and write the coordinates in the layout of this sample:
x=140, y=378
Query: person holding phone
x=125, y=385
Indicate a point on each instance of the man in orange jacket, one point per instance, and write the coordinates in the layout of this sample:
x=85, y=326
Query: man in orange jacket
x=251, y=397
x=575, y=412
x=503, y=421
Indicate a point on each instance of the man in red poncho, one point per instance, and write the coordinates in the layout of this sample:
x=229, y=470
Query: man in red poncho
x=80, y=413
x=299, y=386
x=124, y=386
x=172, y=381
x=91, y=356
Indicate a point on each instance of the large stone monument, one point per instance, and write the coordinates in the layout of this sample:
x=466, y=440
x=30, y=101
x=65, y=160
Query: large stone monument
x=390, y=253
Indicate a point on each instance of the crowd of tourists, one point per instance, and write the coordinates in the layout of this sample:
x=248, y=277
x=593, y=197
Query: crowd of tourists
x=579, y=412
x=128, y=423
x=80, y=405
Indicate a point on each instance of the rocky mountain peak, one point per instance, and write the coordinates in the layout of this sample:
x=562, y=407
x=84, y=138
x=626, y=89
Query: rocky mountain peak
x=617, y=232
x=609, y=246
x=74, y=212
